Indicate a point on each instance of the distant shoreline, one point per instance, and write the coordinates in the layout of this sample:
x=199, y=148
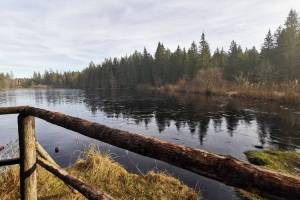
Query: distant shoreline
x=235, y=91
x=231, y=90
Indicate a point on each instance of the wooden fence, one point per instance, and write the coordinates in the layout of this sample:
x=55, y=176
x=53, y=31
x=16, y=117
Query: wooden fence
x=222, y=168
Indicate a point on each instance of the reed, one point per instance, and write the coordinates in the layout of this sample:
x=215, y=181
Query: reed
x=211, y=82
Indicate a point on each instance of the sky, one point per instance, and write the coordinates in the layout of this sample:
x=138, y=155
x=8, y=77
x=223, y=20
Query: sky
x=36, y=35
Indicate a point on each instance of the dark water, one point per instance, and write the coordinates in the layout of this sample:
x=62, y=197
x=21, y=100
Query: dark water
x=220, y=125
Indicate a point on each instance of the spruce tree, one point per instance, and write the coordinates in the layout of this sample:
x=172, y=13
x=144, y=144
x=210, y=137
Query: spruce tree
x=193, y=58
x=205, y=55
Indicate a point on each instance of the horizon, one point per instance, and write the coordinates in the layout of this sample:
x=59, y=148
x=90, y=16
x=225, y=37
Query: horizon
x=66, y=36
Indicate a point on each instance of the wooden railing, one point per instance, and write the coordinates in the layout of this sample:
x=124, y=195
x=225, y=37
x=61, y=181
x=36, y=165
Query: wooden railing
x=226, y=169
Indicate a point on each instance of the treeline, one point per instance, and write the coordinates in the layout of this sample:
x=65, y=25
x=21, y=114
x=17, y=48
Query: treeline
x=277, y=61
x=51, y=78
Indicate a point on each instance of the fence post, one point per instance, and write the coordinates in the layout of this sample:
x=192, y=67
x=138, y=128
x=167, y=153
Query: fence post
x=27, y=142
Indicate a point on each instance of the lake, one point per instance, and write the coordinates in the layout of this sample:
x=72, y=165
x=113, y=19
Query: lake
x=217, y=124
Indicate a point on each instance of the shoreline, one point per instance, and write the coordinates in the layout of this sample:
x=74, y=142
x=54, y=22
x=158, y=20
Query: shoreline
x=238, y=93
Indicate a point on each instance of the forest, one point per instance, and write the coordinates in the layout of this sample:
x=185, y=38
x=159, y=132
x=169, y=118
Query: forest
x=277, y=61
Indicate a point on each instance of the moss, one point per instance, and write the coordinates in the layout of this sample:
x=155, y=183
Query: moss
x=278, y=160
x=283, y=161
x=102, y=172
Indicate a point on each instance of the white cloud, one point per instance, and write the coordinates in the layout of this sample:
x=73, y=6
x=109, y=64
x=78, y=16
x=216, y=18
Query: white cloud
x=66, y=35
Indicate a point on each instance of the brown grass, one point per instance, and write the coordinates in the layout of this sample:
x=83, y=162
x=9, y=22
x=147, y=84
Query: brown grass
x=211, y=82
x=100, y=171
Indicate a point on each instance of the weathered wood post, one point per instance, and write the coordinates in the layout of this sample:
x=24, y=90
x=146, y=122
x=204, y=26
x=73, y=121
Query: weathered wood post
x=28, y=181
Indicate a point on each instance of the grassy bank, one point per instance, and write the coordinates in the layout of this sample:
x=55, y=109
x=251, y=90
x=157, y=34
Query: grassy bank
x=102, y=172
x=211, y=82
x=282, y=161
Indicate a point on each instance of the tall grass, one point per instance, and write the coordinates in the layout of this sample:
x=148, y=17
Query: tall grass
x=211, y=82
x=100, y=171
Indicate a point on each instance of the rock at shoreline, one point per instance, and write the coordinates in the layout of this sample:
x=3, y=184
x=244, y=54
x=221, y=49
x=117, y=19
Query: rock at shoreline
x=1, y=148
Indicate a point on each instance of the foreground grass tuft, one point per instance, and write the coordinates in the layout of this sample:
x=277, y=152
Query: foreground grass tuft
x=100, y=171
x=282, y=161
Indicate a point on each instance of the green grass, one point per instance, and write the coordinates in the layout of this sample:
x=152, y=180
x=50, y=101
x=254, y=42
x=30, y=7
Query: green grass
x=100, y=171
x=282, y=161
x=277, y=160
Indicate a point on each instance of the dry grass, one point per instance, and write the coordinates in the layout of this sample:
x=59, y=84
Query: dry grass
x=211, y=82
x=103, y=173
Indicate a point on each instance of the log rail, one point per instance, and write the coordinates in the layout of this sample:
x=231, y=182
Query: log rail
x=222, y=168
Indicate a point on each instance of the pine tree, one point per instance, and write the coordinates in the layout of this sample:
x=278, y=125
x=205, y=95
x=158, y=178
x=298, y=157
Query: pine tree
x=147, y=65
x=193, y=60
x=177, y=65
x=268, y=46
x=251, y=59
x=219, y=58
x=161, y=64
x=205, y=55
x=286, y=50
x=233, y=67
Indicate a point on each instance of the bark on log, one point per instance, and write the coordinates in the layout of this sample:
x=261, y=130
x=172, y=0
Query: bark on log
x=222, y=168
x=44, y=154
x=12, y=161
x=12, y=110
x=83, y=188
x=28, y=181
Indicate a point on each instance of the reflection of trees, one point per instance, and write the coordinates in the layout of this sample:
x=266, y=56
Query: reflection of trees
x=195, y=112
x=7, y=96
x=281, y=133
x=217, y=122
x=58, y=96
x=203, y=127
x=262, y=133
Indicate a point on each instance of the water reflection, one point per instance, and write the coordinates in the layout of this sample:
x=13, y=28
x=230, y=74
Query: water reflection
x=274, y=125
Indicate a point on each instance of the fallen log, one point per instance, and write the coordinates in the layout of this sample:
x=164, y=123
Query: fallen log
x=44, y=154
x=83, y=188
x=12, y=110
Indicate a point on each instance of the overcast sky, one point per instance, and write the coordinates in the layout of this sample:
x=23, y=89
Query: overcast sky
x=66, y=35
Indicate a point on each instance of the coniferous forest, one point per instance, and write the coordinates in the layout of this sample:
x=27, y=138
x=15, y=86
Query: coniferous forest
x=277, y=61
